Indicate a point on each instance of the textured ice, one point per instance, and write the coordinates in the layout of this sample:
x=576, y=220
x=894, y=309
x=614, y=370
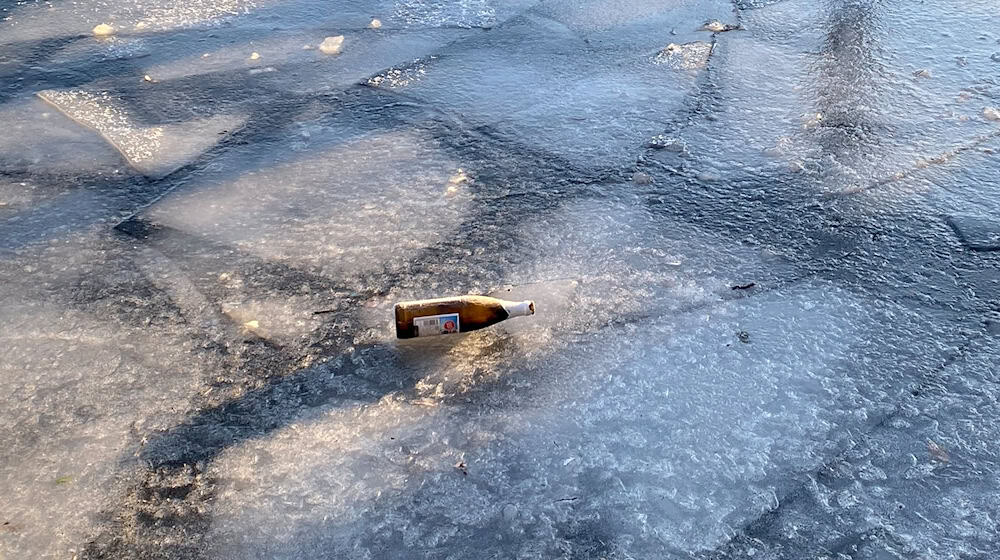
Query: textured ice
x=64, y=367
x=631, y=439
x=763, y=329
x=574, y=86
x=400, y=76
x=39, y=139
x=919, y=486
x=963, y=186
x=154, y=150
x=634, y=23
x=288, y=60
x=54, y=174
x=460, y=13
x=690, y=56
x=346, y=207
x=36, y=21
x=980, y=233
x=842, y=104
x=366, y=54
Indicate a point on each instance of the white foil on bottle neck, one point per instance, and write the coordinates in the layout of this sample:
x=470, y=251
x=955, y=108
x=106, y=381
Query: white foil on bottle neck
x=522, y=309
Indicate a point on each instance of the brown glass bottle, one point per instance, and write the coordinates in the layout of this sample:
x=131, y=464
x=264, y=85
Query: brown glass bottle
x=431, y=317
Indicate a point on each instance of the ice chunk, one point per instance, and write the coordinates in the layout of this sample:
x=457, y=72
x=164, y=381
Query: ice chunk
x=154, y=150
x=400, y=77
x=717, y=26
x=103, y=30
x=690, y=56
x=332, y=45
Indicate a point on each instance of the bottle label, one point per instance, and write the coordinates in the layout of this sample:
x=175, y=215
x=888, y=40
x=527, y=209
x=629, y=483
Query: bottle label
x=436, y=324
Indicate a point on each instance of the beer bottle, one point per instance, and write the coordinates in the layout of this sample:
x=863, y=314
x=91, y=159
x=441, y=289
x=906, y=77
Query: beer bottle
x=431, y=317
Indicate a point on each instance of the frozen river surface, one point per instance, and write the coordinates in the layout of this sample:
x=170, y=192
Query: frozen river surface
x=763, y=239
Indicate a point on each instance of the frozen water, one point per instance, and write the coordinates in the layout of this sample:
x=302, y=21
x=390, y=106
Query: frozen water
x=620, y=97
x=35, y=21
x=691, y=56
x=761, y=258
x=39, y=139
x=63, y=365
x=844, y=107
x=155, y=150
x=626, y=26
x=908, y=476
x=462, y=13
x=343, y=206
x=643, y=447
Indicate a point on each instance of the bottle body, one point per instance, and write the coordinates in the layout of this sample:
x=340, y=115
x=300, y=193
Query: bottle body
x=431, y=317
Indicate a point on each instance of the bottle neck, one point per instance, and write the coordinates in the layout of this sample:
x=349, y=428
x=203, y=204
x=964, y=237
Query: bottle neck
x=520, y=309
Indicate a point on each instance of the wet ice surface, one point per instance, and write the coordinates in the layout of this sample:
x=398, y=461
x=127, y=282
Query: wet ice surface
x=156, y=150
x=764, y=261
x=677, y=475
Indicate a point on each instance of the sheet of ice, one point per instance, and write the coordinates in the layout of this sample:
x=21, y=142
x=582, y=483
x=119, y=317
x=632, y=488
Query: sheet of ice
x=346, y=206
x=292, y=62
x=631, y=440
x=537, y=82
x=628, y=265
x=913, y=236
x=40, y=21
x=103, y=343
x=175, y=392
x=753, y=158
x=919, y=486
x=38, y=139
x=155, y=150
x=79, y=385
x=488, y=80
x=458, y=13
x=634, y=414
x=636, y=26
x=616, y=111
x=965, y=185
x=58, y=176
x=843, y=105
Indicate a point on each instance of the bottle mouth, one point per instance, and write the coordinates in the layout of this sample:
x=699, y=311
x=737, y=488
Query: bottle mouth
x=520, y=309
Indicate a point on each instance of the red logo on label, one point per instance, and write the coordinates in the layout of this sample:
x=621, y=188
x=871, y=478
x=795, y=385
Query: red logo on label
x=449, y=326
